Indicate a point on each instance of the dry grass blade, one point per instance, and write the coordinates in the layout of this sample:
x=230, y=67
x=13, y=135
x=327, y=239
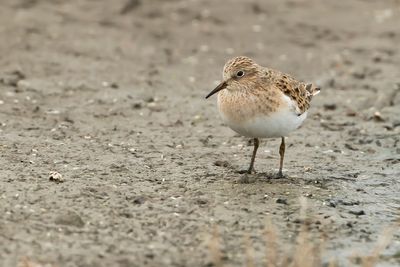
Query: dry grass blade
x=307, y=252
x=271, y=244
x=249, y=253
x=383, y=241
x=303, y=255
x=215, y=249
x=26, y=262
x=332, y=263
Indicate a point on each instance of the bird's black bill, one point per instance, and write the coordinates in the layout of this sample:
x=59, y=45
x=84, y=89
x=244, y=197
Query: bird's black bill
x=217, y=89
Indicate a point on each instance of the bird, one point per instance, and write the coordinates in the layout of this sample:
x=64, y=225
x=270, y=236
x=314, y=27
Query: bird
x=259, y=102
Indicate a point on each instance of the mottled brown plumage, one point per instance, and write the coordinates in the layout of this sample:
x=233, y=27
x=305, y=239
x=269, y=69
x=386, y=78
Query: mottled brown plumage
x=259, y=102
x=300, y=92
x=270, y=80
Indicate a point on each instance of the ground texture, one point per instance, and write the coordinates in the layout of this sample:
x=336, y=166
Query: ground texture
x=110, y=94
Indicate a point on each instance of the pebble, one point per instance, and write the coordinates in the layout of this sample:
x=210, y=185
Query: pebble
x=221, y=163
x=12, y=78
x=197, y=119
x=330, y=106
x=137, y=105
x=153, y=106
x=378, y=117
x=56, y=177
x=282, y=201
x=357, y=213
x=335, y=202
x=69, y=218
x=139, y=200
x=332, y=203
x=201, y=201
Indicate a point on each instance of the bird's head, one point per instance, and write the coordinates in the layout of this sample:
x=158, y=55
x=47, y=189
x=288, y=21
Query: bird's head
x=239, y=72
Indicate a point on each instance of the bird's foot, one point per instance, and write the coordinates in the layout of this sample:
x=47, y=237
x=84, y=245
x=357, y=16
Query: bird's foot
x=248, y=171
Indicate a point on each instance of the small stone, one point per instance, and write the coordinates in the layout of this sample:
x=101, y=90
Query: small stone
x=153, y=106
x=148, y=98
x=196, y=119
x=281, y=201
x=350, y=147
x=307, y=168
x=149, y=255
x=56, y=177
x=114, y=85
x=221, y=163
x=12, y=78
x=350, y=203
x=351, y=113
x=330, y=106
x=179, y=146
x=137, y=105
x=126, y=214
x=139, y=200
x=69, y=218
x=298, y=221
x=332, y=203
x=357, y=213
x=201, y=201
x=178, y=123
x=378, y=117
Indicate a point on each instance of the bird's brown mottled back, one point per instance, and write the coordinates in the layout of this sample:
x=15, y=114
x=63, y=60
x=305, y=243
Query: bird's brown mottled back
x=300, y=92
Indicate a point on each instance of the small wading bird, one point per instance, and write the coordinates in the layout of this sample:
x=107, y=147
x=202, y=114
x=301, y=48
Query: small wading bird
x=258, y=102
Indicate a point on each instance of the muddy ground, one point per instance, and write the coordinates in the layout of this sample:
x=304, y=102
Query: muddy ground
x=111, y=96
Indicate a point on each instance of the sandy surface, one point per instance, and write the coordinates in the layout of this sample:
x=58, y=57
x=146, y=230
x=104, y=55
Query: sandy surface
x=112, y=97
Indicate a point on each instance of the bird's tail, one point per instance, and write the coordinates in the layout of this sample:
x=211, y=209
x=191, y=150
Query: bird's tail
x=312, y=89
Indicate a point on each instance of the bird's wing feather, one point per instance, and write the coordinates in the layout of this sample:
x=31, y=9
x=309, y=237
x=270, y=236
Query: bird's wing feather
x=301, y=93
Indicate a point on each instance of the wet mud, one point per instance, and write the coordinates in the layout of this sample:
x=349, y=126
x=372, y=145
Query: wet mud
x=111, y=156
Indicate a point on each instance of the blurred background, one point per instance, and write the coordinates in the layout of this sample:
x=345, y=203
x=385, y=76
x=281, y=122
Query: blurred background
x=110, y=94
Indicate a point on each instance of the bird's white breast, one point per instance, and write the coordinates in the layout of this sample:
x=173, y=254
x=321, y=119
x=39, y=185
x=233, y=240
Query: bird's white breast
x=276, y=124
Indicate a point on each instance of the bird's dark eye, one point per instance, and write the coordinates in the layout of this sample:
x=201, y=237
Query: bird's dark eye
x=240, y=73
